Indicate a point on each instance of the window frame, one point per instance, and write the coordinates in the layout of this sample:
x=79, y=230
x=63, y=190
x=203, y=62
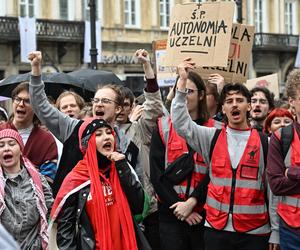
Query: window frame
x=137, y=8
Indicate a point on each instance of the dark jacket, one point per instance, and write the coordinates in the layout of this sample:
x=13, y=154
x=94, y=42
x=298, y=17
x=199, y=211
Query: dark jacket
x=74, y=230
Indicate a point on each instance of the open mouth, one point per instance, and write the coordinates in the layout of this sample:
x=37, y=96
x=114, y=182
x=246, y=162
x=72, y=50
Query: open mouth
x=107, y=146
x=235, y=114
x=71, y=115
x=20, y=112
x=7, y=157
x=256, y=111
x=99, y=113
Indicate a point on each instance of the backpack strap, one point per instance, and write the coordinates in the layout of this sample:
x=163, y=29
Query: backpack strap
x=265, y=144
x=287, y=135
x=213, y=142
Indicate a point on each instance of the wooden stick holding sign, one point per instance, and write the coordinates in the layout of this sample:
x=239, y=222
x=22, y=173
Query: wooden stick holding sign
x=200, y=31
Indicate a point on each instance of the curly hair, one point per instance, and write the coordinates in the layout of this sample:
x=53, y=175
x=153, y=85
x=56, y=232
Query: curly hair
x=293, y=83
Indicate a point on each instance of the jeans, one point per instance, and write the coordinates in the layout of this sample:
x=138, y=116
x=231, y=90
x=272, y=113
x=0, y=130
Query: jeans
x=288, y=239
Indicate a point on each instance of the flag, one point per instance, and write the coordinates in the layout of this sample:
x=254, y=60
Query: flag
x=27, y=36
x=297, y=62
x=87, y=41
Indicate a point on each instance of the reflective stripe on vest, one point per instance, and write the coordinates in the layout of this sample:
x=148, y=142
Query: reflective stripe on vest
x=289, y=205
x=239, y=192
x=175, y=146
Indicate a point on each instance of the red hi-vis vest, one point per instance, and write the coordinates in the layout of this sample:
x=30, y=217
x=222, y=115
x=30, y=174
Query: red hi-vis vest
x=239, y=191
x=175, y=147
x=289, y=205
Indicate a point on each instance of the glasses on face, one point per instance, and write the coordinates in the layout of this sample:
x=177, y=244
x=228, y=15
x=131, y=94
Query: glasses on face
x=260, y=101
x=191, y=91
x=102, y=100
x=18, y=100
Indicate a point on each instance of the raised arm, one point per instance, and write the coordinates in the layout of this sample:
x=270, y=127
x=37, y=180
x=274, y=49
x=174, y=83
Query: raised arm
x=153, y=106
x=58, y=123
x=198, y=137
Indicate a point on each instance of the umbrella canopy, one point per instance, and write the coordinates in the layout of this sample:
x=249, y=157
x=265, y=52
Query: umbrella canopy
x=55, y=84
x=91, y=79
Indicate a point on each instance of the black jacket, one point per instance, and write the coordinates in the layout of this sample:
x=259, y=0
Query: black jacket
x=74, y=230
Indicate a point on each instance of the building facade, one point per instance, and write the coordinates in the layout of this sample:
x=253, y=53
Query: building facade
x=128, y=25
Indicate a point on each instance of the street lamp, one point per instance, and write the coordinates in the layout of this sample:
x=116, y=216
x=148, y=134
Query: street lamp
x=93, y=50
x=239, y=4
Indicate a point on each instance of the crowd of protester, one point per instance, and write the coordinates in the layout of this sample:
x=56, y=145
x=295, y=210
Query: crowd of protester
x=215, y=166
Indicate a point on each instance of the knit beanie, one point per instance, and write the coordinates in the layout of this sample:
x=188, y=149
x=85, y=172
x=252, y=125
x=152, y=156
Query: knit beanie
x=10, y=133
x=87, y=128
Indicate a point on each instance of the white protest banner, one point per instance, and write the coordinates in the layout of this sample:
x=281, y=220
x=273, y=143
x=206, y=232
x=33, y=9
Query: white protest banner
x=27, y=36
x=269, y=81
x=87, y=41
x=201, y=31
x=166, y=76
x=297, y=62
x=242, y=37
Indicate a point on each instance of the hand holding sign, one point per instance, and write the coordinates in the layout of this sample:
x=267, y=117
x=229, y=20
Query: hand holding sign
x=183, y=68
x=218, y=80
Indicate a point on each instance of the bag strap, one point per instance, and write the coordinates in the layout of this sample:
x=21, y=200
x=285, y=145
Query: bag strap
x=265, y=145
x=213, y=142
x=287, y=135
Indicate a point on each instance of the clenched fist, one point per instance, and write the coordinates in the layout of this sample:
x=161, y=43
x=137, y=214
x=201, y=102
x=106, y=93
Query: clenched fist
x=35, y=59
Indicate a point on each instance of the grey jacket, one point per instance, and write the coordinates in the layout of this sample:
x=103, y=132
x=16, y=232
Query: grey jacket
x=140, y=133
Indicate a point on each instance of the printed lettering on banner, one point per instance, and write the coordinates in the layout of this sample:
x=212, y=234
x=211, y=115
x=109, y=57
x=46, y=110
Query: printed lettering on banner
x=200, y=31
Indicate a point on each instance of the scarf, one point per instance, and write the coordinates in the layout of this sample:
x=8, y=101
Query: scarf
x=87, y=172
x=39, y=194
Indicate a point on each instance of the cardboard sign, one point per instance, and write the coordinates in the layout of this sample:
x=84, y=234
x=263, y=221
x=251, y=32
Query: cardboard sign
x=269, y=81
x=242, y=37
x=200, y=31
x=166, y=76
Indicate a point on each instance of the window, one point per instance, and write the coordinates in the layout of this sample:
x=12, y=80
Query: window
x=27, y=8
x=2, y=7
x=289, y=16
x=132, y=13
x=164, y=8
x=63, y=9
x=258, y=15
x=86, y=9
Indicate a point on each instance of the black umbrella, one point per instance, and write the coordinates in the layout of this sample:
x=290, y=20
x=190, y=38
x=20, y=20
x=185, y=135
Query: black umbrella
x=91, y=79
x=55, y=84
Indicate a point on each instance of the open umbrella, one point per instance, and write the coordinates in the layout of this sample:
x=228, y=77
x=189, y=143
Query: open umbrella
x=55, y=84
x=91, y=79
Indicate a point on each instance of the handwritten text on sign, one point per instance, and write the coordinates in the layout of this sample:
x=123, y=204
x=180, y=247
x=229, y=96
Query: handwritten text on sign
x=238, y=57
x=200, y=31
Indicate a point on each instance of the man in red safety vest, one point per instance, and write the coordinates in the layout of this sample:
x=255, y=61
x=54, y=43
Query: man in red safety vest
x=237, y=214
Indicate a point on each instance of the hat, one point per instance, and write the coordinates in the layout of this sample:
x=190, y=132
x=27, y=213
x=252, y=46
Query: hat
x=10, y=133
x=87, y=128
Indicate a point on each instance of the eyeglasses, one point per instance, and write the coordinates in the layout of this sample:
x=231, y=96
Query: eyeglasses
x=102, y=100
x=18, y=100
x=190, y=91
x=261, y=101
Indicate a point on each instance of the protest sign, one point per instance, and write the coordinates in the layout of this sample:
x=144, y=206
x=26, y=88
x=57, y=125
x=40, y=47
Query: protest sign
x=242, y=37
x=269, y=81
x=166, y=76
x=200, y=31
